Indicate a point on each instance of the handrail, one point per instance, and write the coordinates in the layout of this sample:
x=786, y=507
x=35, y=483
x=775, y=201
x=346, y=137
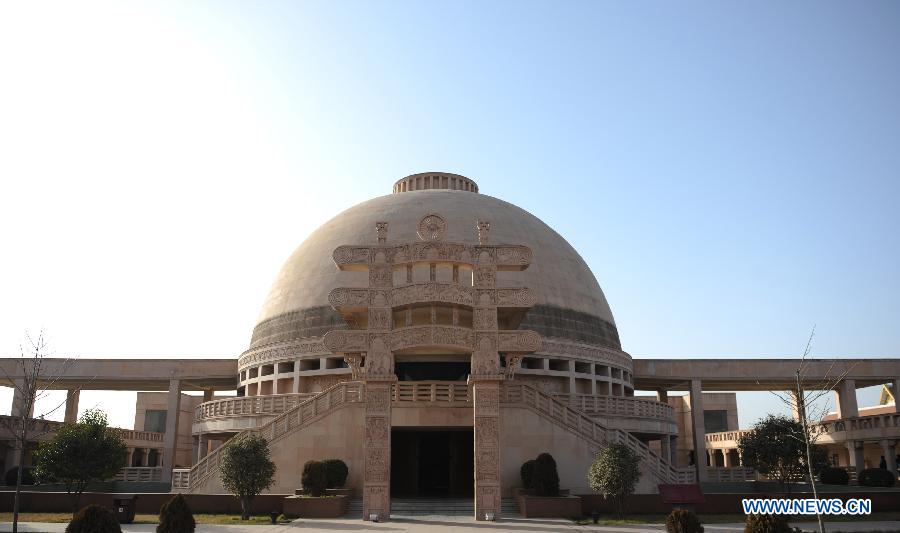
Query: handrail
x=593, y=431
x=295, y=418
x=618, y=406
x=430, y=391
x=249, y=405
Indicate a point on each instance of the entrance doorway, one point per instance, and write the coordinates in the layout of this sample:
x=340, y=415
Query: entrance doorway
x=432, y=463
x=432, y=371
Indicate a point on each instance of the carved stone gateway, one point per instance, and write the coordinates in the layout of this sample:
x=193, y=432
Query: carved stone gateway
x=374, y=347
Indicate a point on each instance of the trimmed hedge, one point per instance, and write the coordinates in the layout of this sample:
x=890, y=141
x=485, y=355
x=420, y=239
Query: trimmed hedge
x=175, y=517
x=13, y=473
x=683, y=521
x=545, y=479
x=768, y=523
x=336, y=472
x=834, y=476
x=315, y=478
x=526, y=473
x=94, y=519
x=877, y=477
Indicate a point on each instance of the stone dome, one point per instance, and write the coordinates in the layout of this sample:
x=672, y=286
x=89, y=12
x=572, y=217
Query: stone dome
x=570, y=303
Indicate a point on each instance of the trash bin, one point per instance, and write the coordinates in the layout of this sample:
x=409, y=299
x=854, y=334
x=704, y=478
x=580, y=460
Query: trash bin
x=125, y=508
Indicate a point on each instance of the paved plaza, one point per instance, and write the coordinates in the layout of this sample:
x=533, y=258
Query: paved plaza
x=447, y=524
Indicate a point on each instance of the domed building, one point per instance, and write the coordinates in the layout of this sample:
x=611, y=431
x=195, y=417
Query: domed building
x=435, y=339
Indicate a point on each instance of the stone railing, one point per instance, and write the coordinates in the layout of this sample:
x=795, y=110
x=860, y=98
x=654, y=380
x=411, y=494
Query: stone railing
x=888, y=421
x=249, y=406
x=591, y=430
x=730, y=474
x=301, y=415
x=618, y=406
x=39, y=428
x=721, y=437
x=147, y=436
x=181, y=479
x=431, y=391
x=139, y=473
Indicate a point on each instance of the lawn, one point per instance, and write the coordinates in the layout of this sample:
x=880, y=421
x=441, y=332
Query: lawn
x=142, y=518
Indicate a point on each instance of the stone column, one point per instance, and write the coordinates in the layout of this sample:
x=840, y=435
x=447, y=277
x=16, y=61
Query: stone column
x=889, y=450
x=673, y=450
x=698, y=427
x=796, y=406
x=208, y=395
x=664, y=448
x=72, y=398
x=170, y=441
x=202, y=446
x=857, y=457
x=846, y=399
x=726, y=458
x=895, y=390
x=662, y=395
x=379, y=379
x=19, y=400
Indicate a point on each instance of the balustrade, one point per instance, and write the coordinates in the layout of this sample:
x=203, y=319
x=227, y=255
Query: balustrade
x=618, y=406
x=431, y=391
x=139, y=473
x=249, y=406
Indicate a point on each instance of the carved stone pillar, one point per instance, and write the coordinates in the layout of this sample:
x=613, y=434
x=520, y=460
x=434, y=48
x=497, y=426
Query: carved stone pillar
x=379, y=376
x=485, y=379
x=377, y=449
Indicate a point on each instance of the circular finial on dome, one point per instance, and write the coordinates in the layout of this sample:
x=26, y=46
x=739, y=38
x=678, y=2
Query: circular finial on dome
x=435, y=180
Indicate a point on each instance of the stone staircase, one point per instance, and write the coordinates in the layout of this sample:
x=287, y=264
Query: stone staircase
x=598, y=435
x=292, y=420
x=419, y=507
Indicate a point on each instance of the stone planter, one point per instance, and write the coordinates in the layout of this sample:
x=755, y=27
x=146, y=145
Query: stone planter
x=308, y=507
x=328, y=492
x=520, y=491
x=549, y=507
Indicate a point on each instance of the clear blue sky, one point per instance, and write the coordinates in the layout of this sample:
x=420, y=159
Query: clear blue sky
x=730, y=171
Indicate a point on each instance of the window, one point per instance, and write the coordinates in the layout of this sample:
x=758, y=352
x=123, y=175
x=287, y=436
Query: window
x=715, y=420
x=155, y=421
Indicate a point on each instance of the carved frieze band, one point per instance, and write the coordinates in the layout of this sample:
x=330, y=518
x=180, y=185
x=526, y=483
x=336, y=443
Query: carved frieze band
x=504, y=257
x=353, y=341
x=428, y=293
x=282, y=351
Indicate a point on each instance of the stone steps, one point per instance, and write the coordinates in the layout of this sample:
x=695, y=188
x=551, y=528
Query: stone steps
x=434, y=507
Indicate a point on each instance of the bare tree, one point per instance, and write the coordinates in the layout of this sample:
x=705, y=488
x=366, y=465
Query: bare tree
x=31, y=380
x=804, y=402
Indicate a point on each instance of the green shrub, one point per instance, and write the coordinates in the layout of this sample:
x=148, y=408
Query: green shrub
x=315, y=478
x=683, y=521
x=336, y=472
x=876, y=477
x=834, y=476
x=526, y=473
x=13, y=473
x=175, y=517
x=94, y=519
x=545, y=479
x=768, y=523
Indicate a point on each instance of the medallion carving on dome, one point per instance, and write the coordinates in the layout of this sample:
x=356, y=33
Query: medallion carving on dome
x=432, y=228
